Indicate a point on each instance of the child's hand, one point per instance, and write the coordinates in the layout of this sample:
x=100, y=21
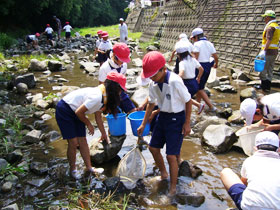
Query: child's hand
x=90, y=129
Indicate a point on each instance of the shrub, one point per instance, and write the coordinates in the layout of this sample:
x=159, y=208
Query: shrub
x=6, y=41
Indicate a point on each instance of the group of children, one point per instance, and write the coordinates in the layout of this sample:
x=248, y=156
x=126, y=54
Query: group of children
x=32, y=40
x=172, y=93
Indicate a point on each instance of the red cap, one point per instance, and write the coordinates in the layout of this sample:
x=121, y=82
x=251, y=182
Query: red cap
x=37, y=34
x=67, y=23
x=152, y=63
x=99, y=32
x=48, y=25
x=105, y=34
x=122, y=51
x=118, y=78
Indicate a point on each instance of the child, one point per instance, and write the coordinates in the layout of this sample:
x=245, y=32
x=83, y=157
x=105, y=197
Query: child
x=258, y=187
x=67, y=28
x=32, y=41
x=104, y=48
x=98, y=41
x=187, y=67
x=49, y=32
x=118, y=63
x=203, y=50
x=71, y=116
x=173, y=122
x=58, y=26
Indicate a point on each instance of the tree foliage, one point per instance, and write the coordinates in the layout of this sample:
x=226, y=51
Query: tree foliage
x=33, y=15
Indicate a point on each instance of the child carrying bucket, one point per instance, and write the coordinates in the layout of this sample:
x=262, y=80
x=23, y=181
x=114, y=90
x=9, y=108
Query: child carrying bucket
x=71, y=116
x=173, y=122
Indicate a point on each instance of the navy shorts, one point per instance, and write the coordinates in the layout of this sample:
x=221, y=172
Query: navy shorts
x=168, y=129
x=236, y=192
x=207, y=69
x=192, y=86
x=126, y=104
x=67, y=34
x=273, y=123
x=68, y=122
x=49, y=37
x=28, y=40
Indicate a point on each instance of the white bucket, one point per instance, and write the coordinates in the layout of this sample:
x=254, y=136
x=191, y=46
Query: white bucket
x=247, y=138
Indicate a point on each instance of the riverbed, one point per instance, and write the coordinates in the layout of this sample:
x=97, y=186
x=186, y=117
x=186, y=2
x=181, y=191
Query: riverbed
x=208, y=183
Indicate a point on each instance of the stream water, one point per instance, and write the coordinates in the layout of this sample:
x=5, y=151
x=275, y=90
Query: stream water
x=208, y=183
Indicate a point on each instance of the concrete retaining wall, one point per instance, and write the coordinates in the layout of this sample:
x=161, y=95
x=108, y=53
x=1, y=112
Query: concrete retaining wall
x=234, y=26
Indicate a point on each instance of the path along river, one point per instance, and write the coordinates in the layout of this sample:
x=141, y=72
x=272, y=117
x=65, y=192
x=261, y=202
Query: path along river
x=208, y=183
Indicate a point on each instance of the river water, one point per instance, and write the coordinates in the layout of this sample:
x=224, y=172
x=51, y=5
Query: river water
x=208, y=183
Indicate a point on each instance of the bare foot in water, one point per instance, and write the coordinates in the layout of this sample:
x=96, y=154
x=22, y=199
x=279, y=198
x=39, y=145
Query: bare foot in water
x=172, y=192
x=164, y=175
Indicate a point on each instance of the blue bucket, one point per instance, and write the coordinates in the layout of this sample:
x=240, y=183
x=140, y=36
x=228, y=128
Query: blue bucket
x=117, y=126
x=259, y=64
x=136, y=119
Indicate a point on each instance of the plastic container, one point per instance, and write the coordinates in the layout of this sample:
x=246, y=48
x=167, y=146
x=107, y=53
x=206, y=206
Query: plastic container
x=247, y=139
x=136, y=119
x=259, y=64
x=117, y=126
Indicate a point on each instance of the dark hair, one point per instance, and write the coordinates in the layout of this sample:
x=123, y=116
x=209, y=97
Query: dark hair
x=113, y=96
x=184, y=55
x=200, y=36
x=260, y=105
x=268, y=147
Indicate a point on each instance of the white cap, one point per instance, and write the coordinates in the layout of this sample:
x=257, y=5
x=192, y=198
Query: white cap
x=121, y=19
x=247, y=109
x=182, y=46
x=196, y=32
x=267, y=137
x=142, y=81
x=183, y=35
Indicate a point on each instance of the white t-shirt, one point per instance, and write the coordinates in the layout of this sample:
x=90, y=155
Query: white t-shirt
x=205, y=50
x=188, y=65
x=49, y=30
x=32, y=37
x=90, y=97
x=105, y=45
x=174, y=94
x=67, y=28
x=98, y=41
x=271, y=110
x=108, y=66
x=262, y=173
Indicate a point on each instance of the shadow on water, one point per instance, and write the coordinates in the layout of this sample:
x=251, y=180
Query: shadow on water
x=208, y=183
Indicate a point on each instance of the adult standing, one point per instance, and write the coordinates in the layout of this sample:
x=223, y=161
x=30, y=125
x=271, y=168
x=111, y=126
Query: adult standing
x=258, y=187
x=270, y=45
x=203, y=51
x=58, y=26
x=123, y=31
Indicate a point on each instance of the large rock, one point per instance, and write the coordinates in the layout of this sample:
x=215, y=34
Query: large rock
x=36, y=65
x=226, y=89
x=27, y=79
x=137, y=62
x=33, y=136
x=22, y=88
x=89, y=67
x=213, y=120
x=189, y=170
x=218, y=138
x=54, y=66
x=193, y=199
x=140, y=95
x=248, y=93
x=236, y=118
x=103, y=152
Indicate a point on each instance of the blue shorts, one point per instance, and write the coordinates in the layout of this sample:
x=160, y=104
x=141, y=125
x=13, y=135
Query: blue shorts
x=67, y=34
x=207, y=69
x=49, y=37
x=126, y=104
x=273, y=122
x=68, y=122
x=236, y=192
x=168, y=129
x=192, y=86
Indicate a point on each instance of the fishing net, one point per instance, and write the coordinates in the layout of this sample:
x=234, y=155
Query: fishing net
x=131, y=168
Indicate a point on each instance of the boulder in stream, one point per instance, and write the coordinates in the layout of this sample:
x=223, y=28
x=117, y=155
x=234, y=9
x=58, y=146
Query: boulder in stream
x=218, y=138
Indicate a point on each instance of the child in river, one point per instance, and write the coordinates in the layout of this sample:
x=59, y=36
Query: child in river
x=49, y=32
x=67, y=28
x=104, y=48
x=173, y=122
x=71, y=116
